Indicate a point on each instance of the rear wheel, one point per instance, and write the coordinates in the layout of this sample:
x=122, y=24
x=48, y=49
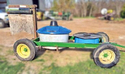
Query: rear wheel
x=105, y=37
x=2, y=24
x=106, y=56
x=25, y=49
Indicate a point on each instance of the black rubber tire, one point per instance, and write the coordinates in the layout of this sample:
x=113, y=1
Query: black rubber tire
x=105, y=37
x=102, y=47
x=81, y=33
x=31, y=46
x=2, y=24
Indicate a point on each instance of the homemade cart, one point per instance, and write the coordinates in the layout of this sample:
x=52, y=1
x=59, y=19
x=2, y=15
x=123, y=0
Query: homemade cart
x=56, y=37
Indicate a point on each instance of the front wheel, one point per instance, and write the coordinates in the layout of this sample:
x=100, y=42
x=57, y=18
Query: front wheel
x=106, y=56
x=25, y=49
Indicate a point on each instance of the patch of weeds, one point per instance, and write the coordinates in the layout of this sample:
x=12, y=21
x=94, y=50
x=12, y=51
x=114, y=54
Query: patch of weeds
x=47, y=69
x=51, y=56
x=14, y=58
x=85, y=17
x=86, y=67
x=45, y=54
x=40, y=60
x=0, y=49
x=119, y=19
x=10, y=52
x=2, y=58
x=48, y=51
x=29, y=70
x=5, y=68
x=89, y=17
x=43, y=60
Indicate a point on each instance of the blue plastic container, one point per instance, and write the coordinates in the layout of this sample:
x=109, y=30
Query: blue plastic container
x=90, y=41
x=90, y=38
x=53, y=30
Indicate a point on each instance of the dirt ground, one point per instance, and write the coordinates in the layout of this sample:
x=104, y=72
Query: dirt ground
x=115, y=30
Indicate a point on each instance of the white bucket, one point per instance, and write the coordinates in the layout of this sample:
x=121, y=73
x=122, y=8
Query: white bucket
x=53, y=38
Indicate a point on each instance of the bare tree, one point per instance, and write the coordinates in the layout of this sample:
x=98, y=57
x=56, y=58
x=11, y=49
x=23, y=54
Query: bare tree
x=83, y=8
x=63, y=5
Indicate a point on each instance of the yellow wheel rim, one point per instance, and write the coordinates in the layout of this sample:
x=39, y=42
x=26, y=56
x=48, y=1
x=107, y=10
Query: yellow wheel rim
x=23, y=51
x=107, y=56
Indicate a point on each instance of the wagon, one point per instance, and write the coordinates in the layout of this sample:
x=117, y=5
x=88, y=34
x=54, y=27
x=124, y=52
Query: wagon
x=105, y=53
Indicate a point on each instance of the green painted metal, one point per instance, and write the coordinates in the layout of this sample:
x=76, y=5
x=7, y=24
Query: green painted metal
x=105, y=55
x=115, y=44
x=77, y=45
x=25, y=49
x=60, y=44
x=71, y=37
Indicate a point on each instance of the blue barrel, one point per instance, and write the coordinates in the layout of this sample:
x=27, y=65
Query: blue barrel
x=90, y=38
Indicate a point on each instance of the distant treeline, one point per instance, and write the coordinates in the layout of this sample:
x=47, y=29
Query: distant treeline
x=83, y=8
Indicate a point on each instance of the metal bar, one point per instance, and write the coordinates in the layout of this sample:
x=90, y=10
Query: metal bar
x=60, y=44
x=115, y=44
x=71, y=37
x=3, y=2
x=77, y=45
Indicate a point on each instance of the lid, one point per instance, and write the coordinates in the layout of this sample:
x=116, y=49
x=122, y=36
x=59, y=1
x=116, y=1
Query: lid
x=53, y=29
x=87, y=35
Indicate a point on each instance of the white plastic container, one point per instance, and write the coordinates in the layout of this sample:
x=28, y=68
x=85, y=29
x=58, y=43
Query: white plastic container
x=53, y=33
x=53, y=38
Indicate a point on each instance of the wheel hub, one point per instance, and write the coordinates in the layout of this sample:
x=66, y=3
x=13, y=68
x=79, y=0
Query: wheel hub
x=107, y=56
x=23, y=51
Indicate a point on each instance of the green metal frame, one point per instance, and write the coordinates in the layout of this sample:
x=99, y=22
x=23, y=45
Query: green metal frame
x=70, y=44
x=62, y=44
x=115, y=44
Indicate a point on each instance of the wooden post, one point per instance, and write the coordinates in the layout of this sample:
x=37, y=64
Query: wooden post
x=35, y=23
